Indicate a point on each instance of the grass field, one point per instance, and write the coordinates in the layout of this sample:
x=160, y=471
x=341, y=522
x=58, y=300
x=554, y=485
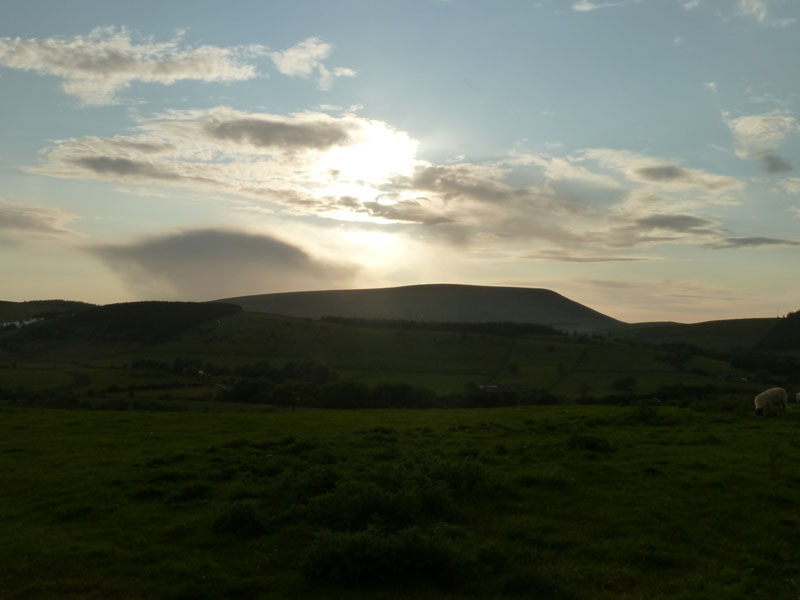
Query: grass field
x=567, y=367
x=715, y=335
x=526, y=502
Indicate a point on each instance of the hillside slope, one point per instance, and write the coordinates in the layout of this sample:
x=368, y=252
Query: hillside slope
x=436, y=302
x=723, y=335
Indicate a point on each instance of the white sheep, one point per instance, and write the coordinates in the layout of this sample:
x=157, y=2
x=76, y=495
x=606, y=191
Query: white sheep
x=769, y=400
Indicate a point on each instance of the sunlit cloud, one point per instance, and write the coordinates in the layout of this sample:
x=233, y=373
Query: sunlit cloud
x=646, y=169
x=96, y=67
x=300, y=160
x=758, y=137
x=589, y=5
x=307, y=59
x=759, y=10
x=350, y=169
x=790, y=185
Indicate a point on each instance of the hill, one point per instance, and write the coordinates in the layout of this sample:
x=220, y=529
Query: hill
x=784, y=335
x=39, y=309
x=723, y=335
x=96, y=330
x=436, y=302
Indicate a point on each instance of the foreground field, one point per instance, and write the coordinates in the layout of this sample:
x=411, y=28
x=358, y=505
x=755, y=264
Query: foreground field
x=529, y=502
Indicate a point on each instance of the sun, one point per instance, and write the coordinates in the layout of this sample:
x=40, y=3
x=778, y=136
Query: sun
x=358, y=170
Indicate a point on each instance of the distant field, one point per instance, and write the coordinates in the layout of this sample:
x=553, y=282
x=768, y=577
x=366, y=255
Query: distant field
x=528, y=502
x=35, y=378
x=714, y=335
x=567, y=368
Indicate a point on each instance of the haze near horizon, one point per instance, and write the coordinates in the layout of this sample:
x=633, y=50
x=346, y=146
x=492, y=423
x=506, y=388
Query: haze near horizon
x=638, y=157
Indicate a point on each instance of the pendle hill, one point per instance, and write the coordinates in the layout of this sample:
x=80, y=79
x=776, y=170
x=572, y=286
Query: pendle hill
x=436, y=302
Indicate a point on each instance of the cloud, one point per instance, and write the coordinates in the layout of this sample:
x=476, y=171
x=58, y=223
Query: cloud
x=772, y=163
x=408, y=211
x=275, y=132
x=460, y=182
x=290, y=160
x=563, y=169
x=678, y=223
x=307, y=58
x=352, y=169
x=646, y=169
x=205, y=264
x=96, y=67
x=790, y=185
x=754, y=8
x=123, y=168
x=711, y=86
x=759, y=10
x=589, y=5
x=566, y=256
x=750, y=242
x=34, y=221
x=758, y=136
x=660, y=228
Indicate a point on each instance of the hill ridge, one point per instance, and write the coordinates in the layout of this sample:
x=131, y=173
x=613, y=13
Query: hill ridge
x=444, y=302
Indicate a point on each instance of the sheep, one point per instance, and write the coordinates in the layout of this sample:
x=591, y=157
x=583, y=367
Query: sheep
x=769, y=400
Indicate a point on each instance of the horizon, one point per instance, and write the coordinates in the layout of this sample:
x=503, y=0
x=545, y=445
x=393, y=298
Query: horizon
x=783, y=315
x=637, y=157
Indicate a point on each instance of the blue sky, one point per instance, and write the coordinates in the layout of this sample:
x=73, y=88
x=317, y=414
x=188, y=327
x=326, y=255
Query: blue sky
x=639, y=156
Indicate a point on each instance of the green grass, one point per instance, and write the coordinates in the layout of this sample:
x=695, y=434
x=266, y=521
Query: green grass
x=445, y=362
x=715, y=335
x=34, y=377
x=534, y=502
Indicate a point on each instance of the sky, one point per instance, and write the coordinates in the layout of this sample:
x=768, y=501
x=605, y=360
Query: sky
x=641, y=157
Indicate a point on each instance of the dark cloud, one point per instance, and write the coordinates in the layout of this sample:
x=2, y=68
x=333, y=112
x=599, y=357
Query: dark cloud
x=143, y=147
x=657, y=229
x=772, y=163
x=124, y=168
x=665, y=173
x=410, y=211
x=33, y=220
x=670, y=174
x=453, y=182
x=751, y=242
x=677, y=223
x=214, y=263
x=274, y=133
